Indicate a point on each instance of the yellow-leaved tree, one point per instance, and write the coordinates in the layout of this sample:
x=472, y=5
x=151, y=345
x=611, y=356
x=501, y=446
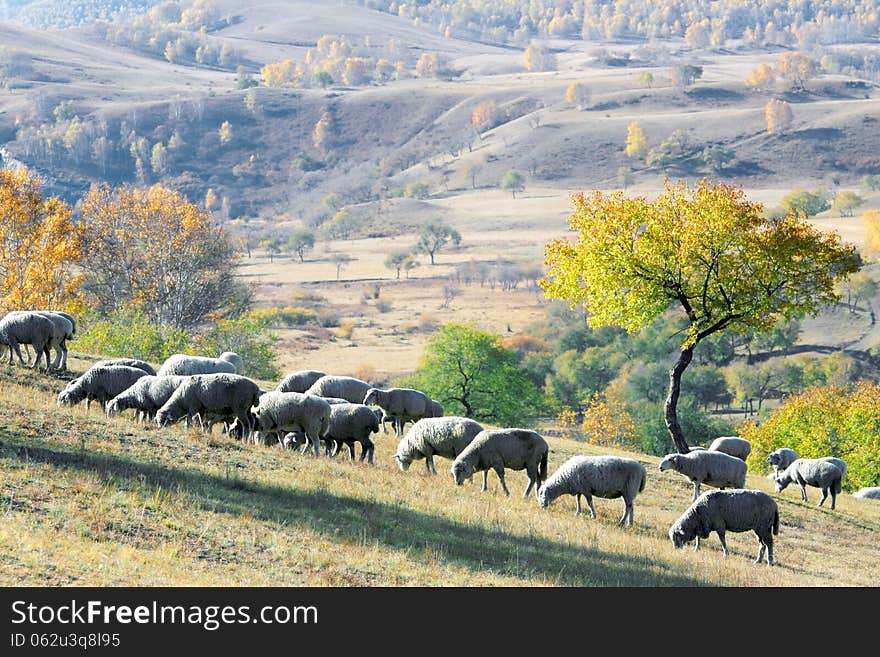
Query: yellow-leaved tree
x=705, y=250
x=636, y=141
x=778, y=115
x=153, y=251
x=40, y=246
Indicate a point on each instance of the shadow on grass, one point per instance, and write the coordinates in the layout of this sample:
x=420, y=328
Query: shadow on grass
x=365, y=521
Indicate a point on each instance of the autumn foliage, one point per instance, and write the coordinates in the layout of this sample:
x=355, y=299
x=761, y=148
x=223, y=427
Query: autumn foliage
x=40, y=246
x=841, y=421
x=152, y=251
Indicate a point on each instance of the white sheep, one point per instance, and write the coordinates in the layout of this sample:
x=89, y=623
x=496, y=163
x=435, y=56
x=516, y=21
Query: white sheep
x=351, y=423
x=722, y=511
x=128, y=362
x=344, y=387
x=601, y=476
x=299, y=381
x=99, y=384
x=733, y=445
x=185, y=365
x=819, y=473
x=497, y=449
x=147, y=396
x=707, y=467
x=206, y=395
x=18, y=328
x=293, y=412
x=400, y=405
x=235, y=359
x=781, y=458
x=869, y=493
x=441, y=436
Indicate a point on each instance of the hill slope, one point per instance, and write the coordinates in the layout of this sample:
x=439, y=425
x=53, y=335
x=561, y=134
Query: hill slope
x=88, y=500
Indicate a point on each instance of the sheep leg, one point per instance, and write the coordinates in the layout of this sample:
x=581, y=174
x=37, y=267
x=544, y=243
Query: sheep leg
x=723, y=543
x=13, y=346
x=485, y=480
x=500, y=472
x=696, y=491
x=590, y=504
x=833, y=497
x=429, y=463
x=577, y=502
x=803, y=492
x=627, y=518
x=824, y=496
x=316, y=445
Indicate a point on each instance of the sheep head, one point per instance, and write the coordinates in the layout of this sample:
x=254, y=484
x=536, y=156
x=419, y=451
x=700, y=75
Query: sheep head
x=670, y=462
x=462, y=471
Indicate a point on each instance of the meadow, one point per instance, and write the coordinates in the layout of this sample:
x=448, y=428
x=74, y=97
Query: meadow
x=89, y=500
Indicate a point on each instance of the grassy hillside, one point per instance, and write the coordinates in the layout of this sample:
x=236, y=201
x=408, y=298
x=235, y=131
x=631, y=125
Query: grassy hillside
x=88, y=500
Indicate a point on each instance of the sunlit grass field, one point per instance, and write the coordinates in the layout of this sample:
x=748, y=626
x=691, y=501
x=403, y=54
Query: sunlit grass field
x=87, y=500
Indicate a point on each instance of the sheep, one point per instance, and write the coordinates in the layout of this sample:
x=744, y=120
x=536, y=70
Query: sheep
x=147, y=395
x=351, y=423
x=299, y=381
x=345, y=387
x=729, y=510
x=733, y=445
x=99, y=384
x=813, y=472
x=130, y=362
x=443, y=436
x=498, y=449
x=399, y=404
x=781, y=459
x=64, y=328
x=870, y=493
x=222, y=394
x=294, y=412
x=707, y=467
x=27, y=328
x=603, y=476
x=435, y=409
x=235, y=359
x=182, y=365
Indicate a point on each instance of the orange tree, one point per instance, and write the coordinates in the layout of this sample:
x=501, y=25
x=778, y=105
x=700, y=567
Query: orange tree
x=40, y=245
x=706, y=250
x=152, y=251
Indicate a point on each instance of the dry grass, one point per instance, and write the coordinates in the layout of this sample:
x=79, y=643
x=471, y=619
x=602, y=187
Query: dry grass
x=88, y=500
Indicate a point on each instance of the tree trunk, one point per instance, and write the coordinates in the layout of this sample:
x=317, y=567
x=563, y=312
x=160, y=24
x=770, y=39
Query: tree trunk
x=669, y=408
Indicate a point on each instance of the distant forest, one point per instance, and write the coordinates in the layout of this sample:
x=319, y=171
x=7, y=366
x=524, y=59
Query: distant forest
x=825, y=22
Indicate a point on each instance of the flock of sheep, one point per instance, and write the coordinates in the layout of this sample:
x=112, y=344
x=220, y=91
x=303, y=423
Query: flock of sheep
x=310, y=409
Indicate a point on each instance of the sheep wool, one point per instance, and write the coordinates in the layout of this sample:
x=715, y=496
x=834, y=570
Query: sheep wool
x=497, y=449
x=600, y=476
x=729, y=510
x=707, y=467
x=440, y=436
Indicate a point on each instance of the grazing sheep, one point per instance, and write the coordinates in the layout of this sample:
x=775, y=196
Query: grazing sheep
x=351, y=423
x=603, y=476
x=733, y=445
x=20, y=328
x=813, y=472
x=870, y=493
x=344, y=387
x=283, y=412
x=64, y=329
x=399, y=404
x=443, y=436
x=707, y=467
x=183, y=365
x=129, y=362
x=781, y=459
x=729, y=510
x=299, y=381
x=235, y=359
x=147, y=395
x=100, y=384
x=223, y=394
x=498, y=449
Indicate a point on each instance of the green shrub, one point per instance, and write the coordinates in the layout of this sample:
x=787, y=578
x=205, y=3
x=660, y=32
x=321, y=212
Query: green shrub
x=128, y=334
x=840, y=421
x=286, y=317
x=249, y=337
